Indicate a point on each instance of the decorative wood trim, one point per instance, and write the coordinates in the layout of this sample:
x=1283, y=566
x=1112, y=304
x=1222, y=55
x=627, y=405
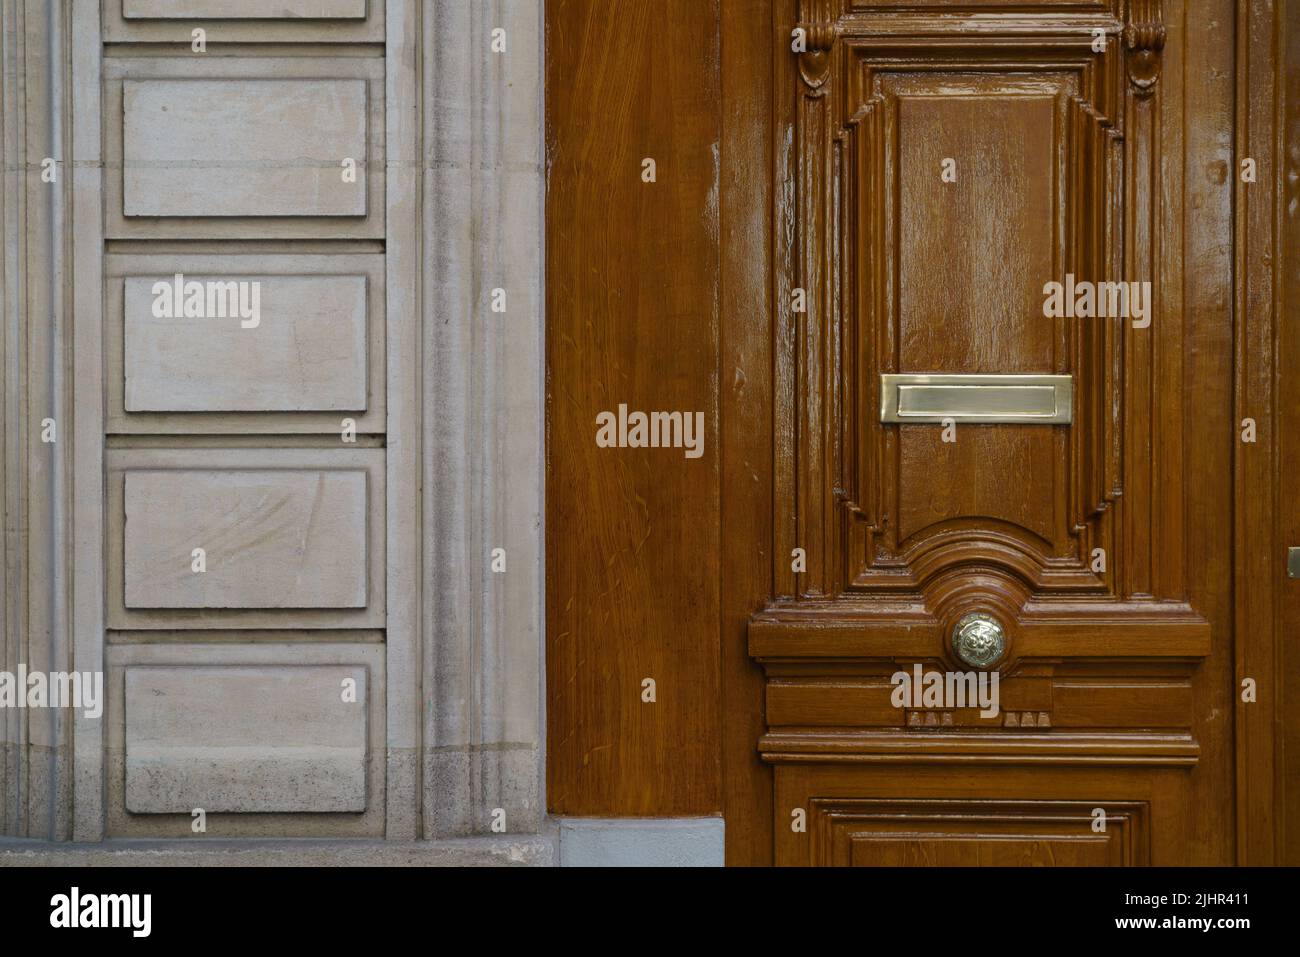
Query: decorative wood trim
x=830, y=630
x=1144, y=39
x=966, y=747
x=817, y=20
x=838, y=826
x=836, y=495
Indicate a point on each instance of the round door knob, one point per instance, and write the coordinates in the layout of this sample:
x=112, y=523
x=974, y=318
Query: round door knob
x=978, y=639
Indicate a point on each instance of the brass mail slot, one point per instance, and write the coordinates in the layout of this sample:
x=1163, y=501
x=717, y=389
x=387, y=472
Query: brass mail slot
x=1012, y=398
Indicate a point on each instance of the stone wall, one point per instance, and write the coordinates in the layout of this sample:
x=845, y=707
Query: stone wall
x=302, y=546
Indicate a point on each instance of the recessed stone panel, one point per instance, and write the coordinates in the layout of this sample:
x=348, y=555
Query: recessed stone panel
x=244, y=9
x=268, y=739
x=272, y=538
x=302, y=349
x=243, y=147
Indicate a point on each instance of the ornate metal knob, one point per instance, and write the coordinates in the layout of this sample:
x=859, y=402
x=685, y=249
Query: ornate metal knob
x=978, y=639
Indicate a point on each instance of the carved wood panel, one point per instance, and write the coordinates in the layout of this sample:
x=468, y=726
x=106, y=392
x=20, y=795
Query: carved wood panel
x=965, y=833
x=934, y=174
x=888, y=815
x=885, y=265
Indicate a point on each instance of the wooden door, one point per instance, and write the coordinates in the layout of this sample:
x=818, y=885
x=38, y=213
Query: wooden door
x=934, y=167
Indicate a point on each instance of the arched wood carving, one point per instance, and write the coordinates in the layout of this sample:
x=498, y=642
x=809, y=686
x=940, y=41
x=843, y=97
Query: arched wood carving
x=1067, y=533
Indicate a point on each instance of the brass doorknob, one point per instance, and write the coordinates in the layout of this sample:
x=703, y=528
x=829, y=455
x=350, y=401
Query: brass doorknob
x=978, y=639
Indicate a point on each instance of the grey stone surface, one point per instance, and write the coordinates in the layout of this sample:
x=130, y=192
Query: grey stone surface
x=244, y=9
x=403, y=636
x=229, y=163
x=40, y=268
x=642, y=842
x=238, y=147
x=350, y=651
x=306, y=350
x=269, y=27
x=221, y=458
x=273, y=539
x=484, y=187
x=326, y=384
x=465, y=786
x=245, y=739
x=521, y=851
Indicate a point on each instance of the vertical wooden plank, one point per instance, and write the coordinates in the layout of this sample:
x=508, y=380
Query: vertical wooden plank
x=1260, y=551
x=1287, y=264
x=632, y=310
x=746, y=407
x=1195, y=261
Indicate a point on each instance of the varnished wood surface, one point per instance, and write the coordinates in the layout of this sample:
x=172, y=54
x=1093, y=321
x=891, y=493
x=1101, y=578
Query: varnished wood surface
x=632, y=317
x=1287, y=777
x=1267, y=361
x=747, y=196
x=1067, y=160
x=1124, y=689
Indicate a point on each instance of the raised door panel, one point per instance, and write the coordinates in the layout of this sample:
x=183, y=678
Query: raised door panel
x=981, y=408
x=954, y=189
x=968, y=833
x=886, y=814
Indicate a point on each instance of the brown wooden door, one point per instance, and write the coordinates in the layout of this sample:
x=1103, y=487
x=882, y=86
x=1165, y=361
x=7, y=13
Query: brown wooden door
x=933, y=168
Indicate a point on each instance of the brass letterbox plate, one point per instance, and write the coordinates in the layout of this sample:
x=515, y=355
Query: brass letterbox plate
x=1013, y=398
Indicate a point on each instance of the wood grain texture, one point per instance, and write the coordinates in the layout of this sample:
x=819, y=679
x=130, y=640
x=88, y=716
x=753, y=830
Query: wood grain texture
x=1267, y=363
x=1192, y=273
x=746, y=240
x=1069, y=160
x=1120, y=685
x=967, y=833
x=632, y=317
x=1007, y=815
x=1287, y=798
x=1057, y=166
